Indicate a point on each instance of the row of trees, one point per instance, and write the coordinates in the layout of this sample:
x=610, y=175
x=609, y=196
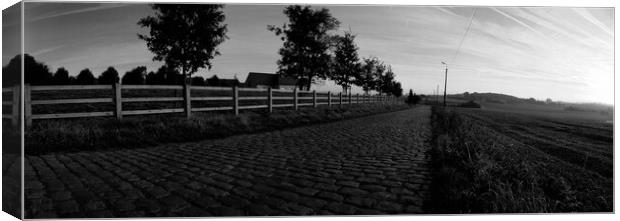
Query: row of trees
x=186, y=37
x=39, y=74
x=310, y=52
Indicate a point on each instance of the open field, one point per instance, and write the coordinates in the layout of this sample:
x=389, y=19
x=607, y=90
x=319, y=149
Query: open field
x=556, y=111
x=501, y=161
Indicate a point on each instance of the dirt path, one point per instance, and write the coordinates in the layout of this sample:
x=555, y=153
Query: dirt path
x=369, y=165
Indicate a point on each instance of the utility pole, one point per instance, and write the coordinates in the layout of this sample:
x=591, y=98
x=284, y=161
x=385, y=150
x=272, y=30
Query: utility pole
x=445, y=84
x=437, y=95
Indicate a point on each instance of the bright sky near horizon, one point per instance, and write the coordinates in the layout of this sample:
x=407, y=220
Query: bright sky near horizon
x=560, y=53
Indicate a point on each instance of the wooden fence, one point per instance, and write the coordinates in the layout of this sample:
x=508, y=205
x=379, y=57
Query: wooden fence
x=117, y=99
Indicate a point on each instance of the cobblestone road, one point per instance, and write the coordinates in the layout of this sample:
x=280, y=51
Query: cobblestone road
x=369, y=165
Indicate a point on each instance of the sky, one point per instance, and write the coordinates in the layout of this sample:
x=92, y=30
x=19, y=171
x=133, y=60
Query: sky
x=560, y=53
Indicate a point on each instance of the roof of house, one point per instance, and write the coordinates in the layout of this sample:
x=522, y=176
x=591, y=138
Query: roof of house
x=256, y=78
x=216, y=81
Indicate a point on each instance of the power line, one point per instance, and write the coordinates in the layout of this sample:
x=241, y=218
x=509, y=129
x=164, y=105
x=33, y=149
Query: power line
x=464, y=35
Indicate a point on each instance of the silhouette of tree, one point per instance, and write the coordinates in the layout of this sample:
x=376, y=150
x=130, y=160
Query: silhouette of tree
x=72, y=80
x=35, y=73
x=153, y=78
x=396, y=89
x=109, y=76
x=12, y=72
x=305, y=53
x=61, y=77
x=346, y=65
x=371, y=69
x=385, y=80
x=85, y=77
x=185, y=36
x=168, y=76
x=135, y=76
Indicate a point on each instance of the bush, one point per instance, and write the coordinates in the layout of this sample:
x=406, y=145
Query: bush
x=469, y=104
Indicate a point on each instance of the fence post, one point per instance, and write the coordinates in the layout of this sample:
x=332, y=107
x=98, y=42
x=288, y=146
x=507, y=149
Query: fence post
x=329, y=98
x=27, y=106
x=340, y=99
x=15, y=106
x=357, y=98
x=349, y=97
x=269, y=100
x=314, y=98
x=188, y=99
x=235, y=91
x=295, y=101
x=118, y=101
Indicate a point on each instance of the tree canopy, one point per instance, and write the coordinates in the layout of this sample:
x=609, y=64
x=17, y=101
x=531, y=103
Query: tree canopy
x=35, y=73
x=371, y=68
x=61, y=77
x=346, y=65
x=305, y=53
x=85, y=77
x=109, y=76
x=135, y=76
x=185, y=36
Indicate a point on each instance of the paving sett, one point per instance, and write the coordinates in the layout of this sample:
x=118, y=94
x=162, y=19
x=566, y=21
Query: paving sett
x=371, y=165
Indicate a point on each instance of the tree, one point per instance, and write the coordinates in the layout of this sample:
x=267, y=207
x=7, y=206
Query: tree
x=135, y=76
x=371, y=68
x=169, y=75
x=109, y=76
x=346, y=65
x=35, y=73
x=85, y=77
x=412, y=98
x=185, y=36
x=396, y=89
x=385, y=80
x=12, y=72
x=305, y=52
x=154, y=78
x=72, y=80
x=61, y=77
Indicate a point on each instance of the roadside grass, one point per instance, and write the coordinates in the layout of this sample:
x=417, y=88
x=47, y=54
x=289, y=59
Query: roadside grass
x=88, y=134
x=480, y=170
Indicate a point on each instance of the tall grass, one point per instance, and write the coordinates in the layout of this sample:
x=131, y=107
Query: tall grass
x=478, y=170
x=140, y=131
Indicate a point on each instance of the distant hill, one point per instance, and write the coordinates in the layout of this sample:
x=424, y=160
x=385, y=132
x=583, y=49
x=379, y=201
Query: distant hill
x=492, y=98
x=509, y=99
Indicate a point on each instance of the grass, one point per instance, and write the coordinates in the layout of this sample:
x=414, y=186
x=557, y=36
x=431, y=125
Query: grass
x=487, y=166
x=67, y=135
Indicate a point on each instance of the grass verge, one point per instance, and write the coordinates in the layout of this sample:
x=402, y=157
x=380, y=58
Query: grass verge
x=479, y=170
x=69, y=135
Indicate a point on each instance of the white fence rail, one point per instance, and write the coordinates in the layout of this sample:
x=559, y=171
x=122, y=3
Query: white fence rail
x=266, y=95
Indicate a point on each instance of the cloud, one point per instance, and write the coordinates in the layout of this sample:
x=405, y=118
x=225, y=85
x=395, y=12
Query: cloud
x=587, y=16
x=519, y=22
x=77, y=11
x=46, y=50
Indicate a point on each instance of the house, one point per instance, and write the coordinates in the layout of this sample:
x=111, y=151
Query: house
x=267, y=80
x=222, y=82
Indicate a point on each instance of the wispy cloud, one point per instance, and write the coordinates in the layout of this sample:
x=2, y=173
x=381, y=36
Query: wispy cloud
x=76, y=11
x=587, y=16
x=528, y=52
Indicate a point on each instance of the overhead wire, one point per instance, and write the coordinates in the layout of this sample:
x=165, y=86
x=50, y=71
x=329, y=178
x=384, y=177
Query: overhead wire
x=464, y=36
